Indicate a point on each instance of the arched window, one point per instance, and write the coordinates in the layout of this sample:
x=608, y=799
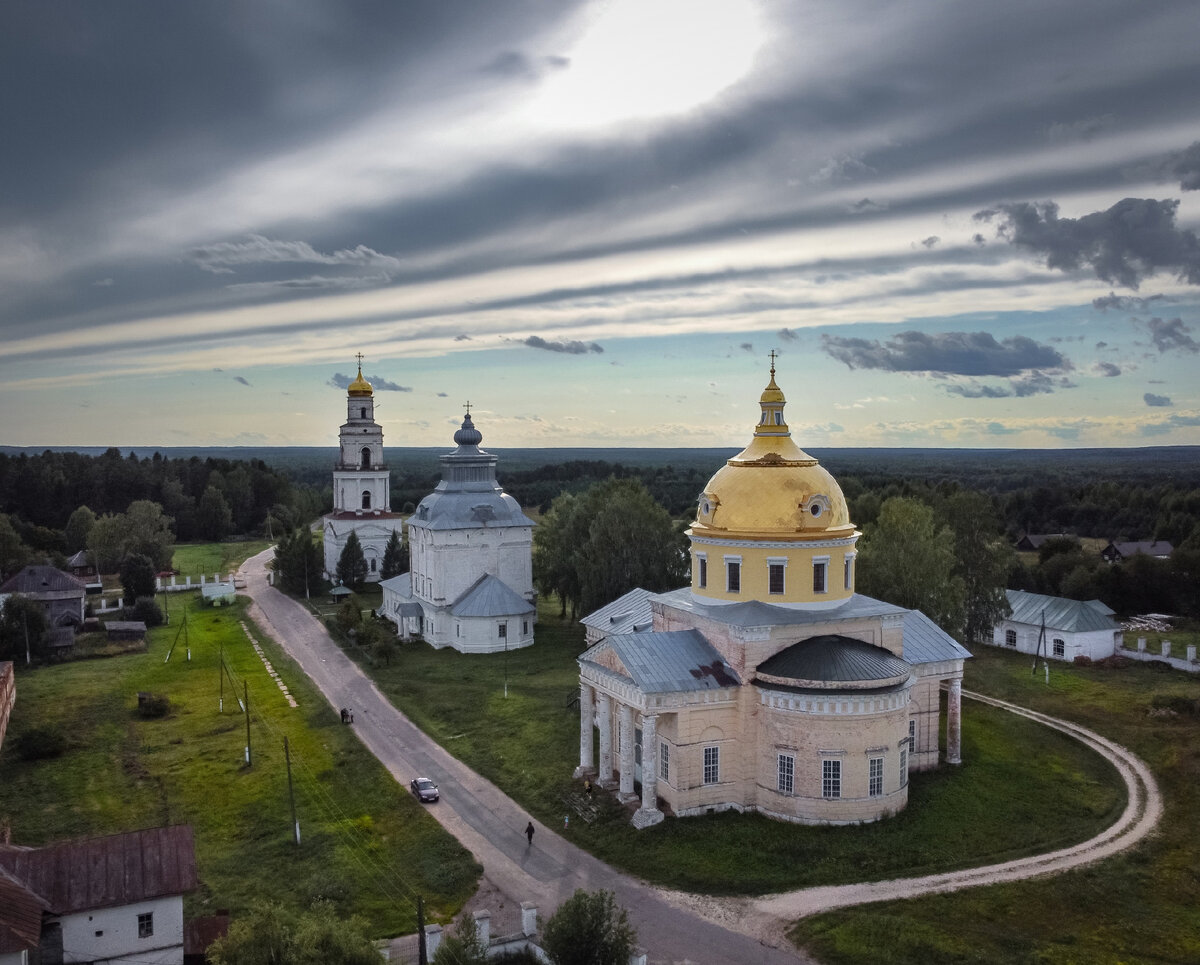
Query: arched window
x=366, y=500
x=1010, y=638
x=366, y=457
x=1060, y=647
x=362, y=413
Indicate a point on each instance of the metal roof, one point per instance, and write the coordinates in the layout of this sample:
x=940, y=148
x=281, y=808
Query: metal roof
x=755, y=613
x=33, y=581
x=1072, y=616
x=630, y=613
x=832, y=658
x=489, y=596
x=119, y=869
x=671, y=661
x=926, y=642
x=20, y=915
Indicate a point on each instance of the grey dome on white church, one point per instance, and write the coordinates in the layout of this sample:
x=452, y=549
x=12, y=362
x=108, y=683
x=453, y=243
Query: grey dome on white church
x=470, y=579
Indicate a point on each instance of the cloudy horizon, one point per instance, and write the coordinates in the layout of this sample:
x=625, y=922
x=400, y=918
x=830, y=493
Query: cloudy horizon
x=958, y=225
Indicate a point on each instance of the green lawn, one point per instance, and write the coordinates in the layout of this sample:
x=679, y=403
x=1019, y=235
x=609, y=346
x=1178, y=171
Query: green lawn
x=528, y=744
x=192, y=559
x=1142, y=906
x=366, y=843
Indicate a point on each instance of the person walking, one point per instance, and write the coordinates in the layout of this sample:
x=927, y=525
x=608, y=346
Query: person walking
x=529, y=833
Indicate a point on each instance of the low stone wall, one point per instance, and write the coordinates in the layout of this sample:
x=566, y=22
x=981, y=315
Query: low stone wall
x=1187, y=663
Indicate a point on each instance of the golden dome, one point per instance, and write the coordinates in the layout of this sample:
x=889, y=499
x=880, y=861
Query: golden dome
x=360, y=386
x=772, y=489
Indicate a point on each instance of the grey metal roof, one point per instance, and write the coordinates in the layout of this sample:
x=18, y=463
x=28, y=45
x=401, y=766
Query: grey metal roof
x=401, y=584
x=1072, y=616
x=36, y=580
x=832, y=658
x=755, y=613
x=489, y=596
x=629, y=613
x=672, y=661
x=1143, y=547
x=926, y=642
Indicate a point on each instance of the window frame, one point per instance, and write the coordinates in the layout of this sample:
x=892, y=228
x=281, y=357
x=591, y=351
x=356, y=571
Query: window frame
x=145, y=924
x=702, y=570
x=875, y=777
x=776, y=567
x=733, y=574
x=848, y=571
x=785, y=773
x=1010, y=638
x=502, y=630
x=664, y=761
x=820, y=583
x=831, y=778
x=903, y=766
x=712, y=764
x=1059, y=647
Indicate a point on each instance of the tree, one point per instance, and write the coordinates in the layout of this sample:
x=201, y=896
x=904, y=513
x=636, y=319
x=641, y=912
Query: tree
x=383, y=646
x=272, y=935
x=462, y=945
x=352, y=564
x=213, y=515
x=349, y=614
x=22, y=625
x=148, y=531
x=12, y=551
x=297, y=561
x=554, y=540
x=137, y=577
x=395, y=557
x=106, y=542
x=985, y=559
x=79, y=525
x=589, y=928
x=908, y=559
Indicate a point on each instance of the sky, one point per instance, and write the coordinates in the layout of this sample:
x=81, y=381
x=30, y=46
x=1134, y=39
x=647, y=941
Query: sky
x=958, y=224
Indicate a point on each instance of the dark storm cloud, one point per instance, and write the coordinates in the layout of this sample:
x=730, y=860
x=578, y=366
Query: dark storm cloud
x=238, y=378
x=1107, y=370
x=570, y=348
x=1083, y=129
x=956, y=353
x=1156, y=400
x=1123, y=303
x=1033, y=383
x=1124, y=245
x=1171, y=336
x=1183, y=166
x=378, y=383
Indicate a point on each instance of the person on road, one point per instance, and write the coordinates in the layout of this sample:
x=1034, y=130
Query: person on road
x=529, y=833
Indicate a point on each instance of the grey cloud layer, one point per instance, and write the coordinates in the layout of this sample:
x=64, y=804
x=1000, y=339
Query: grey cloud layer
x=957, y=353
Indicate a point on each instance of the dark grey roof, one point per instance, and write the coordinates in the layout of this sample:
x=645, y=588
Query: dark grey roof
x=754, y=613
x=668, y=661
x=926, y=642
x=489, y=596
x=35, y=580
x=1071, y=616
x=1142, y=547
x=630, y=613
x=832, y=658
x=401, y=584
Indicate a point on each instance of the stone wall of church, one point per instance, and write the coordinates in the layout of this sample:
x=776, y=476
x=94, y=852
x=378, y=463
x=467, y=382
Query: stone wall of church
x=926, y=716
x=687, y=733
x=454, y=560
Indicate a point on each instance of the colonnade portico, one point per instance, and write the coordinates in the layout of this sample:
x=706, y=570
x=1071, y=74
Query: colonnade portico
x=596, y=710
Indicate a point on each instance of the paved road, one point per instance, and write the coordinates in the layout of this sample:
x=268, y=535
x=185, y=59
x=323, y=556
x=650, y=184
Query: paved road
x=487, y=822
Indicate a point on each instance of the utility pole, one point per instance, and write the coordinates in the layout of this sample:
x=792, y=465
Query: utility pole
x=221, y=676
x=422, y=951
x=246, y=692
x=291, y=793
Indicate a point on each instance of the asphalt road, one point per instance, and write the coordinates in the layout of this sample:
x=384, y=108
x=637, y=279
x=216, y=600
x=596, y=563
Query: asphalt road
x=489, y=823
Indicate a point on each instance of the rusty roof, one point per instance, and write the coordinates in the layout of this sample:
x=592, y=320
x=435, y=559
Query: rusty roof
x=20, y=915
x=119, y=869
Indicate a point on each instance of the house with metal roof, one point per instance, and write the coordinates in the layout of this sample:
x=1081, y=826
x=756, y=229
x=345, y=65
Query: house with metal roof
x=1058, y=628
x=768, y=684
x=470, y=579
x=59, y=594
x=1158, y=549
x=116, y=899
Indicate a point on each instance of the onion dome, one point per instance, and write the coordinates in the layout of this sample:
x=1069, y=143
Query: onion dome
x=468, y=435
x=360, y=387
x=772, y=488
x=834, y=662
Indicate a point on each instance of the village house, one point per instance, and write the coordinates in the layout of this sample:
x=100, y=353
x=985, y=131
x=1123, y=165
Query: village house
x=1058, y=628
x=60, y=594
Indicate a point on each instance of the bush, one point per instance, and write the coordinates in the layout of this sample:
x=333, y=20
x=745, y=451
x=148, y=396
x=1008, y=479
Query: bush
x=1176, y=703
x=1083, y=660
x=39, y=742
x=1115, y=662
x=146, y=610
x=151, y=706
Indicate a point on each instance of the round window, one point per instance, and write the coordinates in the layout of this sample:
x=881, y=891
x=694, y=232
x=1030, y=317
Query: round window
x=816, y=510
x=704, y=507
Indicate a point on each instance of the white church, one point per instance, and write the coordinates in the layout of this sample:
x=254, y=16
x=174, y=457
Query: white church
x=470, y=584
x=362, y=501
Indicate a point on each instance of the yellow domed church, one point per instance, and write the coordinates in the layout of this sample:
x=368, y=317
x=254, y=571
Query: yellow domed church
x=768, y=684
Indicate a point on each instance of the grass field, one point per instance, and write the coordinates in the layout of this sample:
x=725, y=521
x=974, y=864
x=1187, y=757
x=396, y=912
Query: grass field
x=192, y=559
x=528, y=744
x=366, y=843
x=1140, y=907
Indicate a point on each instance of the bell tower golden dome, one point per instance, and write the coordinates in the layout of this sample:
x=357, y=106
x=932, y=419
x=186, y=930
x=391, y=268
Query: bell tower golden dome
x=360, y=387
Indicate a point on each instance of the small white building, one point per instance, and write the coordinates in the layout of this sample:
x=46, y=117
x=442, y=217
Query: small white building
x=362, y=499
x=470, y=583
x=1073, y=628
x=116, y=899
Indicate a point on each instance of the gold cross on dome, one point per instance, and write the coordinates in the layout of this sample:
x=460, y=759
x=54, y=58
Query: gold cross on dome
x=774, y=355
x=359, y=356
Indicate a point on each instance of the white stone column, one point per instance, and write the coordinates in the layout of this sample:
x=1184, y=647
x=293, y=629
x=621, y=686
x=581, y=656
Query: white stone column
x=626, y=747
x=587, y=715
x=954, y=723
x=604, y=721
x=649, y=813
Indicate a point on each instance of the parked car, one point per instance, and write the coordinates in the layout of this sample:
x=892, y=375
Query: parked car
x=424, y=789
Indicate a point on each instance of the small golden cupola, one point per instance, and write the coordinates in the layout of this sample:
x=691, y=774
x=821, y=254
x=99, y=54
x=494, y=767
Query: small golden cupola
x=772, y=524
x=360, y=387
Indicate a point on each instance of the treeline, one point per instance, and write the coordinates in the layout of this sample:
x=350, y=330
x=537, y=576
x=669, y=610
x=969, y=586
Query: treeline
x=203, y=498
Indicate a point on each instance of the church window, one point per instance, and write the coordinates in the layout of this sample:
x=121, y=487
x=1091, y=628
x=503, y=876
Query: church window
x=145, y=925
x=366, y=500
x=875, y=787
x=1060, y=647
x=786, y=774
x=458, y=629
x=775, y=572
x=362, y=412
x=820, y=571
x=903, y=766
x=831, y=779
x=848, y=572
x=702, y=570
x=912, y=732
x=664, y=760
x=712, y=765
x=525, y=627
x=503, y=631
x=733, y=574
x=366, y=457
x=1010, y=638
x=372, y=565
x=778, y=418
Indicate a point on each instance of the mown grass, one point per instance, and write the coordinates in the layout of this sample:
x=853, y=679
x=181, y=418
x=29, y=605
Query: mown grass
x=192, y=559
x=1142, y=906
x=527, y=743
x=366, y=844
